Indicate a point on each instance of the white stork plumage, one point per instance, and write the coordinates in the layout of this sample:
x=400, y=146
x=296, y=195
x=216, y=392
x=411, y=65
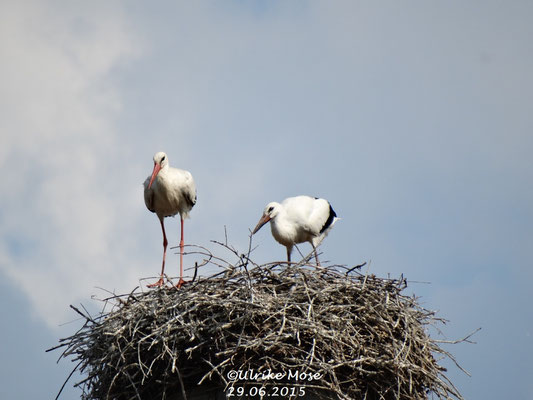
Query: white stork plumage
x=299, y=219
x=167, y=192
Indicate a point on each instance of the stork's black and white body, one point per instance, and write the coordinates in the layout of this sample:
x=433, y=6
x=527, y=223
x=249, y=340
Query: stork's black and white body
x=299, y=219
x=167, y=192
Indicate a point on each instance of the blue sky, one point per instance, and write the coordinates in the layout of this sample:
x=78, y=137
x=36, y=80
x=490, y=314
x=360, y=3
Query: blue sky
x=413, y=118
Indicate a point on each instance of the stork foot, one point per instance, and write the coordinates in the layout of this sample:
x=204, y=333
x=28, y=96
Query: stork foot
x=180, y=283
x=159, y=283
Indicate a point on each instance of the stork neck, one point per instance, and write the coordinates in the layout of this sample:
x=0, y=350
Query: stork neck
x=164, y=170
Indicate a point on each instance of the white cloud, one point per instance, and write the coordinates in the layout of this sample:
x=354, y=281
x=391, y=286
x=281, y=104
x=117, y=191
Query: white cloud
x=59, y=148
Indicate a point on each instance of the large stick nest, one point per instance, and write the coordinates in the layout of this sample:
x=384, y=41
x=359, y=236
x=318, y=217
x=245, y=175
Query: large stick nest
x=364, y=338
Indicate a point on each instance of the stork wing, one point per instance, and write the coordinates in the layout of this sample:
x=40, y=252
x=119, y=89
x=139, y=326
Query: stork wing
x=148, y=196
x=189, y=189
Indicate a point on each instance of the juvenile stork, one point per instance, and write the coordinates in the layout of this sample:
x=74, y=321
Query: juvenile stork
x=297, y=220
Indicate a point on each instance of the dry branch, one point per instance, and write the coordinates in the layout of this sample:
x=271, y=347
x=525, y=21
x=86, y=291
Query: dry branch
x=359, y=332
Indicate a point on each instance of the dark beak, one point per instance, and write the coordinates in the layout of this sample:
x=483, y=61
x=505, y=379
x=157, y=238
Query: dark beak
x=264, y=219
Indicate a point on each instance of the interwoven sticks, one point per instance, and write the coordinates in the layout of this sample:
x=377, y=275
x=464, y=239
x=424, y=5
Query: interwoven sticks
x=359, y=333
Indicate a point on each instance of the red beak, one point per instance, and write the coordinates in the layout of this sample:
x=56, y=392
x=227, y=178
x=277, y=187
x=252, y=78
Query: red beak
x=157, y=167
x=264, y=219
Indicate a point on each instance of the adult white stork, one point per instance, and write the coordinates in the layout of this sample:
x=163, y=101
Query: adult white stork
x=167, y=192
x=299, y=219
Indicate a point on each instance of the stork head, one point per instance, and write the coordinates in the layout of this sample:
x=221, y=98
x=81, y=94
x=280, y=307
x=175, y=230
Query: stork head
x=271, y=210
x=160, y=161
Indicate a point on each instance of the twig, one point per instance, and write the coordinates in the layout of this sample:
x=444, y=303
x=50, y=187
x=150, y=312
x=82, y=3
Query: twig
x=358, y=331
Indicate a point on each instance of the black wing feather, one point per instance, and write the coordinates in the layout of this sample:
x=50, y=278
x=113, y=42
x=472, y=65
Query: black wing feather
x=329, y=221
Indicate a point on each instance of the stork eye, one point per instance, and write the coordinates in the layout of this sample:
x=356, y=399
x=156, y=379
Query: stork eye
x=271, y=209
x=163, y=159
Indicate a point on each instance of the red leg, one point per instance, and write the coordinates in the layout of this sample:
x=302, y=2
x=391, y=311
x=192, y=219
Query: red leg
x=161, y=281
x=181, y=282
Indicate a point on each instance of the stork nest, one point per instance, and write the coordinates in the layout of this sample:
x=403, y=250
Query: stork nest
x=333, y=331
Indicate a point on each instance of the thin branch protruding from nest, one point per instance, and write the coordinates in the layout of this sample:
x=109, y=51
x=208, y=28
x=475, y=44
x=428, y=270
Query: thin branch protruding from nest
x=359, y=332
